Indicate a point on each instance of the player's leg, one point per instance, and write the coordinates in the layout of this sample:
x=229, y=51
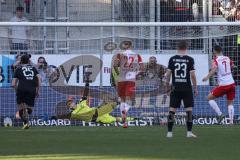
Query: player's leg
x=130, y=94
x=189, y=119
x=127, y=106
x=121, y=93
x=216, y=92
x=230, y=111
x=29, y=101
x=189, y=104
x=211, y=100
x=106, y=119
x=21, y=96
x=126, y=91
x=175, y=102
x=105, y=109
x=22, y=114
x=230, y=98
x=171, y=120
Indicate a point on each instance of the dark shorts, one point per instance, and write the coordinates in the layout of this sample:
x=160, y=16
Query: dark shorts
x=26, y=96
x=176, y=97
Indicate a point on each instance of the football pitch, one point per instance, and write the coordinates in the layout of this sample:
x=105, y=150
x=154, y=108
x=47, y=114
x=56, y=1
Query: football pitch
x=115, y=143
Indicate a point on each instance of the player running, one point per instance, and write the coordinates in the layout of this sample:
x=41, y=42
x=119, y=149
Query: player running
x=26, y=82
x=127, y=65
x=181, y=69
x=226, y=85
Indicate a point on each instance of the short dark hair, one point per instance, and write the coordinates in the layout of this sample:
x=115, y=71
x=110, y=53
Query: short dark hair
x=25, y=59
x=182, y=45
x=41, y=58
x=19, y=8
x=127, y=42
x=217, y=49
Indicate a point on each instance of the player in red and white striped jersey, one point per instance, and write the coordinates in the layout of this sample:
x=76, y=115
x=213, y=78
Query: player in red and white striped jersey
x=226, y=85
x=129, y=65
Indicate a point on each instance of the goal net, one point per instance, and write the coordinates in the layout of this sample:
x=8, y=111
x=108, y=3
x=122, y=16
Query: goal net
x=71, y=49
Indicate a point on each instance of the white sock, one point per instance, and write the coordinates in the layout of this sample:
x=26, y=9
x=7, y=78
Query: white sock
x=231, y=112
x=215, y=107
x=127, y=107
x=122, y=107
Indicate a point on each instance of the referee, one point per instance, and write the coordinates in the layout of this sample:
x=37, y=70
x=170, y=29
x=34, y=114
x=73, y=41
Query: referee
x=181, y=70
x=26, y=82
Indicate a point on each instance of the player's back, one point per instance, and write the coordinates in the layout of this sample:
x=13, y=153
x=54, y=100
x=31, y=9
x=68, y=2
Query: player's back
x=224, y=72
x=181, y=66
x=128, y=65
x=27, y=76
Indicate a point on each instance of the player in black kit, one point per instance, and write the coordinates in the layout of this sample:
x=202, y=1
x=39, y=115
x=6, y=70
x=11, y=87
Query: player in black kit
x=181, y=70
x=26, y=82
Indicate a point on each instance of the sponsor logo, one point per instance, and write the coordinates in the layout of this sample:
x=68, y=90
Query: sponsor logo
x=41, y=122
x=148, y=121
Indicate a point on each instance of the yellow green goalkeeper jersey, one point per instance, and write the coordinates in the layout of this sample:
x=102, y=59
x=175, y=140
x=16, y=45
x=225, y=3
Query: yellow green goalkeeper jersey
x=81, y=109
x=84, y=112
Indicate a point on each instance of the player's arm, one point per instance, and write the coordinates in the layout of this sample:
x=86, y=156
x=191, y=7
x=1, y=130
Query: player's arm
x=14, y=83
x=212, y=71
x=167, y=76
x=233, y=67
x=38, y=78
x=193, y=77
x=15, y=79
x=162, y=70
x=194, y=81
x=38, y=84
x=116, y=63
x=86, y=89
x=140, y=73
x=114, y=71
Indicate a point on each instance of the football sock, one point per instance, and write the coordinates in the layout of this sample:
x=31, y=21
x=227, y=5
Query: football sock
x=127, y=107
x=170, y=120
x=189, y=121
x=215, y=107
x=122, y=107
x=22, y=116
x=231, y=112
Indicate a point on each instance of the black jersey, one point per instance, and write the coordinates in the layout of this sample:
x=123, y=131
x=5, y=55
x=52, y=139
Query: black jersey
x=27, y=77
x=181, y=66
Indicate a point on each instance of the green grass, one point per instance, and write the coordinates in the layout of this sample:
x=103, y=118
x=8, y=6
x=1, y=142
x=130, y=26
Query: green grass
x=112, y=143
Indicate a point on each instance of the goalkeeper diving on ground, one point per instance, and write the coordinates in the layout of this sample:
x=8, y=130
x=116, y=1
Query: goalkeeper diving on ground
x=82, y=111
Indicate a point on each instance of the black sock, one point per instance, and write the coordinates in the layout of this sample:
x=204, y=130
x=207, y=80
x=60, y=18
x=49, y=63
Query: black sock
x=170, y=121
x=189, y=121
x=189, y=126
x=22, y=116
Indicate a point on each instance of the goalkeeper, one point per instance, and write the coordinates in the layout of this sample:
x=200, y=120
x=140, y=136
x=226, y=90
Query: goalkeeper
x=81, y=110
